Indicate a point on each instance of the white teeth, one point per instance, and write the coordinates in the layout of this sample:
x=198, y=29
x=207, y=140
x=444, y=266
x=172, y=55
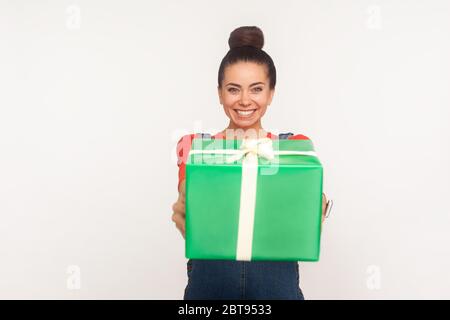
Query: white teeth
x=245, y=113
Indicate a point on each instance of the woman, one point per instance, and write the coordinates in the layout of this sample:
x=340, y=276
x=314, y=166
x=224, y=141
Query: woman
x=246, y=85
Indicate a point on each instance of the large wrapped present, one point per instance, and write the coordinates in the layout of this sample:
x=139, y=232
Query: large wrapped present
x=253, y=199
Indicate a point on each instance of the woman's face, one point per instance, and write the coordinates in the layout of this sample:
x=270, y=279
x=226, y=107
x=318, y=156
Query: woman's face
x=245, y=94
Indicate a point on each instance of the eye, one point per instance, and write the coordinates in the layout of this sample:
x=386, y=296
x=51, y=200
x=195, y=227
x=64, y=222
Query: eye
x=232, y=90
x=258, y=89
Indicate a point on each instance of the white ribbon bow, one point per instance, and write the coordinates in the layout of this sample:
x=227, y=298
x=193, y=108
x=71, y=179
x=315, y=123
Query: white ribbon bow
x=260, y=147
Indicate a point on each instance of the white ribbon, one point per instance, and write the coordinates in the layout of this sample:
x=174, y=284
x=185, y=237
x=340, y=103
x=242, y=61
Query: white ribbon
x=250, y=150
x=260, y=147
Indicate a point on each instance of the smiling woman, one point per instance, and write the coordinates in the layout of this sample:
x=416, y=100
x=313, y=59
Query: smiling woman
x=246, y=85
x=246, y=81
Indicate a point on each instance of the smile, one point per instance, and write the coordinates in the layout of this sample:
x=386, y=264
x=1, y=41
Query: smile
x=246, y=113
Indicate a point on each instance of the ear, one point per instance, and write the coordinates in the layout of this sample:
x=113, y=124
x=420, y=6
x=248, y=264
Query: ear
x=219, y=91
x=272, y=92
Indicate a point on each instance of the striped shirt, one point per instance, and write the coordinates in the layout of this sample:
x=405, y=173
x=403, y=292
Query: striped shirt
x=184, y=146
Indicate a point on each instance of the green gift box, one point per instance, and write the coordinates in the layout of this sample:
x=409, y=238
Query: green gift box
x=253, y=199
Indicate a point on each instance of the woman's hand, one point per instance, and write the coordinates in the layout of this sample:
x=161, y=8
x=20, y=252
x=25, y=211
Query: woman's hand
x=179, y=209
x=324, y=206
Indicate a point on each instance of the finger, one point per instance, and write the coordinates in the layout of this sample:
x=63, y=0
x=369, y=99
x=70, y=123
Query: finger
x=178, y=218
x=179, y=207
x=181, y=227
x=324, y=202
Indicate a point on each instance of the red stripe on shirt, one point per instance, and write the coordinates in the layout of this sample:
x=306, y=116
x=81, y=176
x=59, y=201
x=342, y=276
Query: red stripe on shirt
x=185, y=142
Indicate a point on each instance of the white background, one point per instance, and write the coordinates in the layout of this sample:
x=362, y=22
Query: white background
x=95, y=94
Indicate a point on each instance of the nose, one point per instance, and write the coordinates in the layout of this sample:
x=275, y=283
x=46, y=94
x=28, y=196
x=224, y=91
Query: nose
x=245, y=99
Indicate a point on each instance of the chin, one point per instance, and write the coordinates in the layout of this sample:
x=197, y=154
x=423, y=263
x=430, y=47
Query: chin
x=244, y=124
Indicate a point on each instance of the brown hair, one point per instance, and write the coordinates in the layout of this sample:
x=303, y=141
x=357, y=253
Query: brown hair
x=246, y=44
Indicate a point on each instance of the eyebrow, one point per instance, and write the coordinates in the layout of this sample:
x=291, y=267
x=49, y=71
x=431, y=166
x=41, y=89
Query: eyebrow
x=237, y=85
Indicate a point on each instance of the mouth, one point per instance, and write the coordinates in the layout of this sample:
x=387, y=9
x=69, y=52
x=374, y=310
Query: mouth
x=244, y=114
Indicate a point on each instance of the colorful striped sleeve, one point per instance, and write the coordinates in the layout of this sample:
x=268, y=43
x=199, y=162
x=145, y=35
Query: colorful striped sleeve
x=183, y=147
x=299, y=137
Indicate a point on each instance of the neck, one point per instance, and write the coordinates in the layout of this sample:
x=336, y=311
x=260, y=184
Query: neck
x=235, y=132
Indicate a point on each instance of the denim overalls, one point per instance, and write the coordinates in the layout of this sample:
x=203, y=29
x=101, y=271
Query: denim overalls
x=250, y=280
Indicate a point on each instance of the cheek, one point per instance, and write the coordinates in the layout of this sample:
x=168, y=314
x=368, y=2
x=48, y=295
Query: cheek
x=262, y=100
x=229, y=101
x=262, y=112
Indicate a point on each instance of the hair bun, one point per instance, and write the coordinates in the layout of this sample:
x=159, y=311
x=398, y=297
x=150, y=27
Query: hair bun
x=246, y=36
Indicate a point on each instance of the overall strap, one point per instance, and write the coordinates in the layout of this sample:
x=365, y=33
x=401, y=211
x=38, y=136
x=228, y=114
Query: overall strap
x=285, y=135
x=204, y=135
